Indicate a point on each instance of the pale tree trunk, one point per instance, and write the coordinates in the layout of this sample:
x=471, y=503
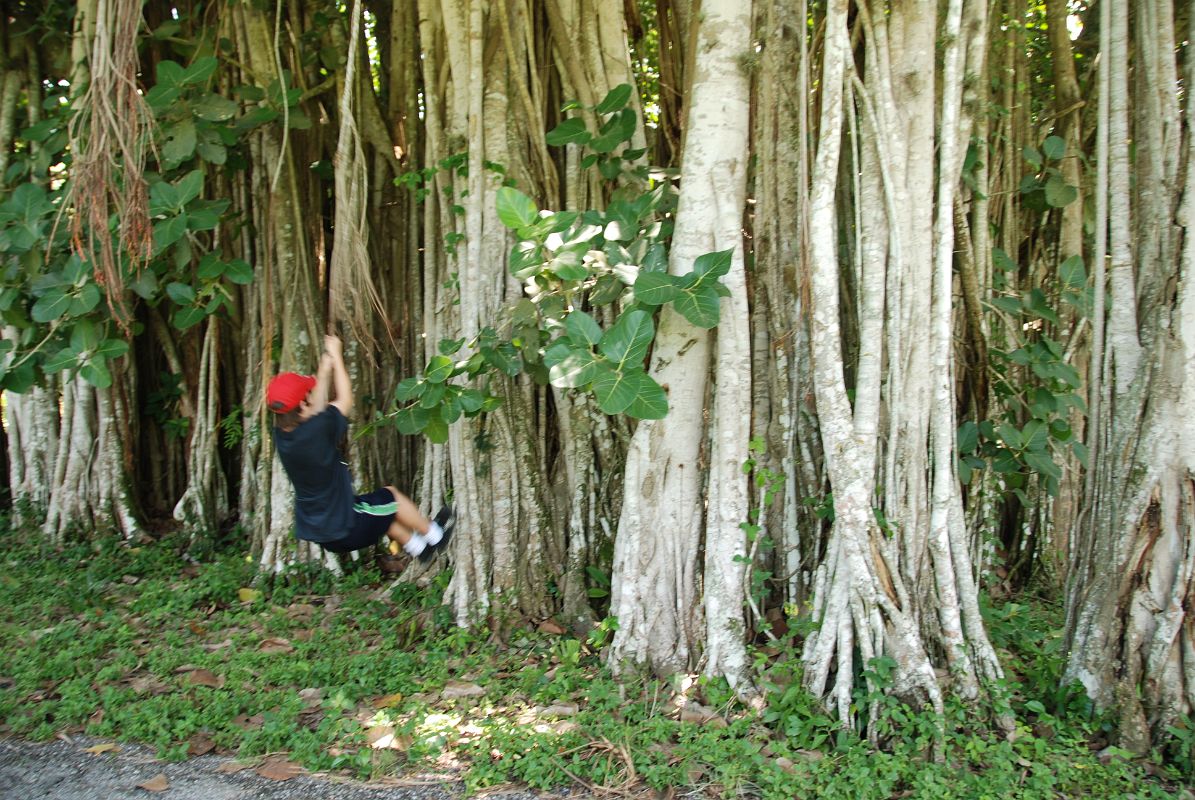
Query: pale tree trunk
x=205, y=501
x=1129, y=636
x=783, y=401
x=660, y=532
x=31, y=420
x=89, y=488
x=906, y=588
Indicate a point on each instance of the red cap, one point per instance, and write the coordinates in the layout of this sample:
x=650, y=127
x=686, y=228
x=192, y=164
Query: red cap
x=287, y=390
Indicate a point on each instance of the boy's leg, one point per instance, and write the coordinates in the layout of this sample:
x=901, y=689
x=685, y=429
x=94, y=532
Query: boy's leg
x=417, y=534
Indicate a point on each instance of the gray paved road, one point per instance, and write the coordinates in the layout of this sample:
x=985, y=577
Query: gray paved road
x=60, y=770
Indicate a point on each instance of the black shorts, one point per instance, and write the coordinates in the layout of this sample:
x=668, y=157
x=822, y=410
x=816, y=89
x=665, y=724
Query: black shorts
x=372, y=515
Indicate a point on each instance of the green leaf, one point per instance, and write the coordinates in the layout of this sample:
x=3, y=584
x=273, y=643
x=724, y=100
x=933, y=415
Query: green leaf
x=1009, y=305
x=96, y=373
x=713, y=265
x=439, y=369
x=1054, y=147
x=1041, y=462
x=471, y=400
x=188, y=187
x=180, y=141
x=607, y=289
x=188, y=317
x=1010, y=436
x=200, y=71
x=84, y=336
x=1059, y=193
x=582, y=328
x=239, y=272
x=145, y=285
x=576, y=368
x=1035, y=435
x=568, y=266
x=181, y=293
x=611, y=388
x=1080, y=451
x=408, y=389
x=571, y=131
x=1002, y=261
x=526, y=259
x=628, y=338
x=210, y=267
x=651, y=402
x=615, y=99
x=411, y=420
x=434, y=395
x=699, y=306
x=1072, y=272
x=655, y=288
x=112, y=348
x=968, y=437
x=515, y=209
x=450, y=346
x=502, y=357
x=162, y=97
x=66, y=358
x=436, y=429
x=1032, y=155
x=51, y=305
x=168, y=73
x=86, y=300
x=214, y=108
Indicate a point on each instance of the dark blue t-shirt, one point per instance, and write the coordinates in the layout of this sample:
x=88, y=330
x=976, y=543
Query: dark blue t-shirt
x=323, y=485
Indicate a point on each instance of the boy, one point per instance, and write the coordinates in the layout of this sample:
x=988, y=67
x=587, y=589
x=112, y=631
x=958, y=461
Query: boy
x=307, y=428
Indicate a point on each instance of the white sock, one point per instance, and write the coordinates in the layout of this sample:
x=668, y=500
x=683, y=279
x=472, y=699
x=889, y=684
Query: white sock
x=434, y=534
x=415, y=545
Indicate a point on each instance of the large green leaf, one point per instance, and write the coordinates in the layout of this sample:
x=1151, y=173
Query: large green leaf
x=66, y=358
x=411, y=420
x=96, y=373
x=628, y=339
x=1059, y=193
x=408, y=389
x=181, y=293
x=515, y=209
x=526, y=259
x=615, y=99
x=699, y=305
x=650, y=401
x=238, y=272
x=655, y=288
x=51, y=305
x=188, y=317
x=180, y=141
x=85, y=336
x=200, y=71
x=582, y=328
x=436, y=429
x=189, y=186
x=571, y=131
x=577, y=368
x=1072, y=272
x=112, y=348
x=713, y=265
x=439, y=369
x=613, y=391
x=214, y=108
x=87, y=298
x=1054, y=147
x=169, y=73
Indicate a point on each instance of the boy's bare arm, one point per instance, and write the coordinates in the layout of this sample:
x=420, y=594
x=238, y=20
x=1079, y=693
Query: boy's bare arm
x=342, y=386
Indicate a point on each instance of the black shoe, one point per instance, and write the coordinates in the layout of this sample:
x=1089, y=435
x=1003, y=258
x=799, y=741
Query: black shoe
x=446, y=519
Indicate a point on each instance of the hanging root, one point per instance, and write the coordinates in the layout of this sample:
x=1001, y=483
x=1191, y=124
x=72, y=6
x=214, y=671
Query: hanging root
x=109, y=135
x=352, y=295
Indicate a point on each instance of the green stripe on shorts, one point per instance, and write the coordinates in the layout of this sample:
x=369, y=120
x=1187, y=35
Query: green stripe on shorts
x=384, y=510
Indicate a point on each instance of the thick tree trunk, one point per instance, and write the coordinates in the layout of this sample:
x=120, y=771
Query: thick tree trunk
x=660, y=532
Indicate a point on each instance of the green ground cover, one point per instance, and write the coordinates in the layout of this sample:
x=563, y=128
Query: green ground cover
x=137, y=643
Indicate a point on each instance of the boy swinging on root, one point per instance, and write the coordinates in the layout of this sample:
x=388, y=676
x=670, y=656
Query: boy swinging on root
x=307, y=428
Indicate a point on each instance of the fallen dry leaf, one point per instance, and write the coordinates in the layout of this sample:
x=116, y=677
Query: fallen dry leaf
x=129, y=580
x=229, y=767
x=276, y=644
x=249, y=723
x=455, y=689
x=311, y=697
x=217, y=645
x=158, y=783
x=103, y=747
x=388, y=701
x=200, y=744
x=247, y=595
x=279, y=769
x=204, y=677
x=560, y=710
x=551, y=626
